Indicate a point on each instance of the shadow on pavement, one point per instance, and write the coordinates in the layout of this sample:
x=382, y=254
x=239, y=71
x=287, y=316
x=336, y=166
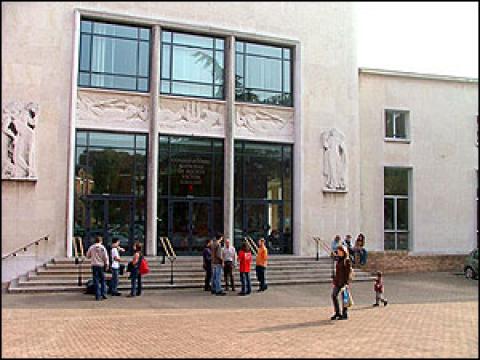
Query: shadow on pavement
x=293, y=326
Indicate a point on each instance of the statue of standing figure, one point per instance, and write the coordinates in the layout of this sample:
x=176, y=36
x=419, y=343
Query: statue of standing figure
x=18, y=140
x=334, y=160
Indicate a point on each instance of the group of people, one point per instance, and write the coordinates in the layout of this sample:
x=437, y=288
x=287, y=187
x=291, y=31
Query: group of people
x=353, y=250
x=344, y=274
x=101, y=263
x=218, y=259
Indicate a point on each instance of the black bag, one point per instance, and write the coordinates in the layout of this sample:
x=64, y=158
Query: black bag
x=129, y=267
x=90, y=287
x=121, y=269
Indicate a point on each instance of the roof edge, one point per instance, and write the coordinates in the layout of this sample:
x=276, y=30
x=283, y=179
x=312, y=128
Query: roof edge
x=408, y=74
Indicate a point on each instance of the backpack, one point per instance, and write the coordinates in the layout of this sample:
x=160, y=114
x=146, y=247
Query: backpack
x=143, y=268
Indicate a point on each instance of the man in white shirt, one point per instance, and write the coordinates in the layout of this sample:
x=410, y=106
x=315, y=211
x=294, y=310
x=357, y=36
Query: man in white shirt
x=98, y=254
x=115, y=266
x=230, y=261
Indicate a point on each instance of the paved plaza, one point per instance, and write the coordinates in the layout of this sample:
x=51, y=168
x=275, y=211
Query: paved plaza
x=429, y=315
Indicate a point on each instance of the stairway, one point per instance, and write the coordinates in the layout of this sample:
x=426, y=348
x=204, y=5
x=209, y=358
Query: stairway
x=61, y=274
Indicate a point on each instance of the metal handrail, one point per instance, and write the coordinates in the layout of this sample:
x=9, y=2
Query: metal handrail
x=168, y=249
x=24, y=248
x=327, y=249
x=251, y=244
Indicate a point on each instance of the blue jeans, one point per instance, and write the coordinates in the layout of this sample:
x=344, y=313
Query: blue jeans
x=114, y=281
x=217, y=276
x=136, y=282
x=98, y=281
x=245, y=280
x=261, y=277
x=363, y=256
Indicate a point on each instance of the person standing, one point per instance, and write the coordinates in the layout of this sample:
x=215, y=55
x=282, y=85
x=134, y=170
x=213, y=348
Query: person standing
x=245, y=260
x=348, y=243
x=115, y=266
x=360, y=248
x=378, y=287
x=335, y=244
x=261, y=265
x=341, y=279
x=99, y=256
x=207, y=264
x=230, y=261
x=217, y=265
x=135, y=276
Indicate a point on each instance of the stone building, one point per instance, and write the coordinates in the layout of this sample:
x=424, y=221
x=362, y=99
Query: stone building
x=183, y=120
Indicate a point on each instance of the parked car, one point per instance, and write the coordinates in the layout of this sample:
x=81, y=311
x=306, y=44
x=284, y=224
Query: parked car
x=470, y=267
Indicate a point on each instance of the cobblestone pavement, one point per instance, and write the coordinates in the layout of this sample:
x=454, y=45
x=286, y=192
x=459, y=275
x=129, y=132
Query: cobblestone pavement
x=434, y=315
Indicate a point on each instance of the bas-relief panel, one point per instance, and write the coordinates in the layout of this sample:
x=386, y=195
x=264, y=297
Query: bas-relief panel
x=112, y=111
x=264, y=123
x=188, y=116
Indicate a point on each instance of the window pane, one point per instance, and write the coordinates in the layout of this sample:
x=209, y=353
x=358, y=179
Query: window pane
x=400, y=128
x=193, y=40
x=218, y=92
x=165, y=72
x=402, y=241
x=84, y=79
x=389, y=241
x=115, y=30
x=396, y=181
x=389, y=124
x=163, y=172
x=286, y=53
x=142, y=85
x=85, y=26
x=263, y=73
x=265, y=50
x=287, y=174
x=144, y=59
x=388, y=214
x=111, y=139
x=141, y=142
x=239, y=82
x=286, y=77
x=81, y=138
x=238, y=222
x=116, y=56
x=218, y=66
x=192, y=89
x=402, y=214
x=145, y=34
x=165, y=87
x=240, y=46
x=219, y=44
x=166, y=36
x=85, y=52
x=81, y=156
x=192, y=64
x=265, y=97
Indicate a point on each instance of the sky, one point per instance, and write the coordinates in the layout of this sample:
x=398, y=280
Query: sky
x=425, y=37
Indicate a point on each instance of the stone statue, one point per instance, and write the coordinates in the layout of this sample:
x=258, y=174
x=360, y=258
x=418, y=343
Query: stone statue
x=334, y=160
x=18, y=140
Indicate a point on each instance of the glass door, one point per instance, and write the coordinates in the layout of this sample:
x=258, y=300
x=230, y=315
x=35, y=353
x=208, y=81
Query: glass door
x=201, y=225
x=265, y=219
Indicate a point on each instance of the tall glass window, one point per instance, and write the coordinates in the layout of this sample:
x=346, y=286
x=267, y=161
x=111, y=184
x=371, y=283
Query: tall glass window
x=190, y=191
x=192, y=65
x=263, y=194
x=395, y=208
x=114, y=56
x=110, y=187
x=263, y=74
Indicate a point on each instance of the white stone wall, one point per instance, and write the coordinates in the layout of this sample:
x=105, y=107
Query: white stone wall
x=442, y=153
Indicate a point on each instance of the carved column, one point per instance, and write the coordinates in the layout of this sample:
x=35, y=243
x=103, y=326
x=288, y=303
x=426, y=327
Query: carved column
x=228, y=204
x=152, y=172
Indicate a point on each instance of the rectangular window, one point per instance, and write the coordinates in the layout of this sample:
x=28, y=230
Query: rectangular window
x=396, y=124
x=192, y=65
x=263, y=74
x=395, y=209
x=114, y=56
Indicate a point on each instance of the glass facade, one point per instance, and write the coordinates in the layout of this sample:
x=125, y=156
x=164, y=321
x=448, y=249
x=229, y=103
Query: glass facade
x=190, y=191
x=263, y=194
x=192, y=65
x=114, y=56
x=263, y=74
x=110, y=187
x=396, y=208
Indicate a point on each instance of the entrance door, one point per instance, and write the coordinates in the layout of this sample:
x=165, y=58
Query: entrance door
x=110, y=216
x=264, y=219
x=190, y=224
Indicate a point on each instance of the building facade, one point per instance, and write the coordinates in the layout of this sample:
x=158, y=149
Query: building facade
x=148, y=120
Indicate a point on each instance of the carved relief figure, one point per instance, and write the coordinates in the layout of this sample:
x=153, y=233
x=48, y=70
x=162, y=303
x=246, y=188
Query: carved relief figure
x=18, y=139
x=258, y=120
x=116, y=109
x=334, y=160
x=192, y=114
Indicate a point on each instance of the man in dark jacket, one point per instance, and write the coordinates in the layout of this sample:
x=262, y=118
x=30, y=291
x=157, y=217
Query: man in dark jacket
x=342, y=278
x=207, y=265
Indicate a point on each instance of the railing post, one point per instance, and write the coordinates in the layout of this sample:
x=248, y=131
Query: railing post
x=171, y=271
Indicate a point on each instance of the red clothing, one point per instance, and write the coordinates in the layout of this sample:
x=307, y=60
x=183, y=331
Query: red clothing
x=245, y=259
x=378, y=286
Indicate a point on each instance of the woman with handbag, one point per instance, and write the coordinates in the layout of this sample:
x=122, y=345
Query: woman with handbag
x=341, y=281
x=135, y=276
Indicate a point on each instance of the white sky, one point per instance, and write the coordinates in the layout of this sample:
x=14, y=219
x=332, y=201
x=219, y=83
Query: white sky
x=426, y=37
